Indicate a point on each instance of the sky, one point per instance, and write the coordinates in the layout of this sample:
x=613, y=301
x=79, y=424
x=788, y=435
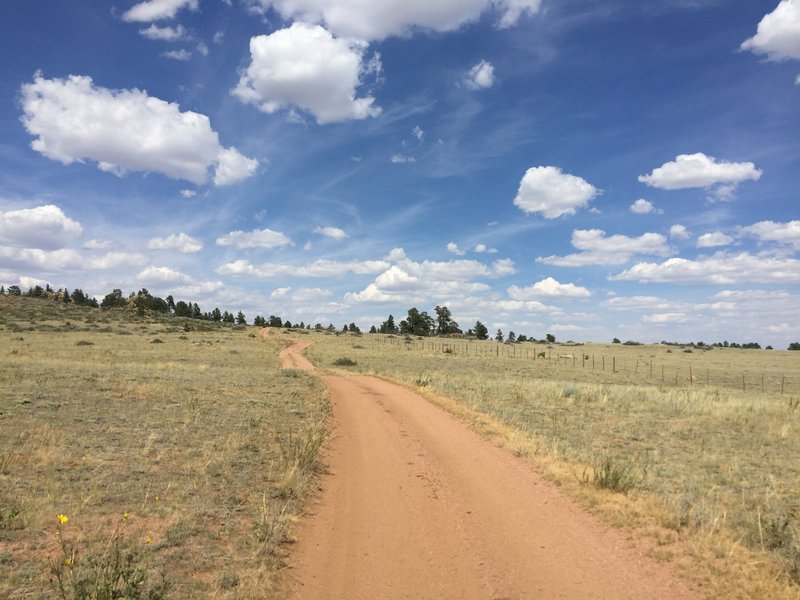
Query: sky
x=624, y=168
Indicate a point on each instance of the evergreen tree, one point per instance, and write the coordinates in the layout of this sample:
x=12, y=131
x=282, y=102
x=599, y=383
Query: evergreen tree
x=481, y=331
x=373, y=329
x=114, y=300
x=444, y=321
x=388, y=325
x=240, y=319
x=216, y=315
x=512, y=338
x=499, y=335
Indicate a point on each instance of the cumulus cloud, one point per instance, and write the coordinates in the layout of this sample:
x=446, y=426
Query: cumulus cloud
x=400, y=159
x=331, y=232
x=164, y=34
x=179, y=242
x=156, y=275
x=156, y=10
x=598, y=249
x=379, y=19
x=45, y=227
x=549, y=288
x=481, y=248
x=453, y=247
x=407, y=280
x=98, y=244
x=305, y=66
x=701, y=171
x=548, y=191
x=720, y=269
x=74, y=120
x=258, y=238
x=188, y=193
x=318, y=268
x=643, y=207
x=770, y=231
x=481, y=76
x=678, y=232
x=664, y=318
x=181, y=55
x=778, y=33
x=713, y=240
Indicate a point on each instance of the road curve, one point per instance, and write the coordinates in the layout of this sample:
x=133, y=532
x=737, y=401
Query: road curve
x=415, y=505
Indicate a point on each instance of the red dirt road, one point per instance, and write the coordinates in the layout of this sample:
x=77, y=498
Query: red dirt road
x=415, y=505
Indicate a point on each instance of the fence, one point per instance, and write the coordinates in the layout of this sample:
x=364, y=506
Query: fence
x=676, y=371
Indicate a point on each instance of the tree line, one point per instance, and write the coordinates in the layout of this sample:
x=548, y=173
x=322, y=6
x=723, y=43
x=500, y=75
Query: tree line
x=417, y=323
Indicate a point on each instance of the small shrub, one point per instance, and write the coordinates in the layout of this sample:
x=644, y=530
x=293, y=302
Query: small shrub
x=157, y=341
x=612, y=475
x=344, y=362
x=84, y=343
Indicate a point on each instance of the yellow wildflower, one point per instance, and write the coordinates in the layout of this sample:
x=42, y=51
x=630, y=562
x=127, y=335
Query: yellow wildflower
x=62, y=519
x=125, y=515
x=148, y=540
x=68, y=562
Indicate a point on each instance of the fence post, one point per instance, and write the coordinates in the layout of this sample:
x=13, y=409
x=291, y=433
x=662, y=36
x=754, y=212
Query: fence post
x=691, y=379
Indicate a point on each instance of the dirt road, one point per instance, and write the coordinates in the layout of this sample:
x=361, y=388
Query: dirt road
x=415, y=505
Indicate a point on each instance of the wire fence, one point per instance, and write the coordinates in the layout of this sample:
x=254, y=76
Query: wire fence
x=677, y=370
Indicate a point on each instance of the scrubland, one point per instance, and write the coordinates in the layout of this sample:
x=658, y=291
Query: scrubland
x=709, y=474
x=147, y=458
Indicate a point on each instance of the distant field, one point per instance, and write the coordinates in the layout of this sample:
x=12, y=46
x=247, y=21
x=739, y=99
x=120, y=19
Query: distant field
x=719, y=460
x=164, y=456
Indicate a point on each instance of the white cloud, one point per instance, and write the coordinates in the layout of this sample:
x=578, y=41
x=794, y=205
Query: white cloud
x=310, y=294
x=797, y=81
x=74, y=120
x=642, y=207
x=481, y=76
x=156, y=10
x=258, y=238
x=188, y=193
x=483, y=248
x=280, y=292
x=98, y=244
x=678, y=232
x=318, y=268
x=115, y=260
x=331, y=232
x=664, y=318
x=45, y=227
x=778, y=33
x=720, y=269
x=164, y=34
x=305, y=66
x=379, y=19
x=701, y=171
x=770, y=231
x=155, y=275
x=181, y=55
x=630, y=303
x=549, y=191
x=453, y=247
x=233, y=167
x=177, y=241
x=400, y=159
x=418, y=132
x=597, y=249
x=407, y=280
x=549, y=288
x=714, y=239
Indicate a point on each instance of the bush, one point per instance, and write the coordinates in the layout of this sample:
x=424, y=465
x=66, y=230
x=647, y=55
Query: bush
x=344, y=362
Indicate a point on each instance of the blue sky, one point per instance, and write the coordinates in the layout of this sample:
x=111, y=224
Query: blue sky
x=592, y=170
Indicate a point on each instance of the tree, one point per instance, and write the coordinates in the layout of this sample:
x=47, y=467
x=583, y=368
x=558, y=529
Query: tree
x=114, y=300
x=228, y=317
x=216, y=315
x=615, y=341
x=354, y=328
x=241, y=319
x=551, y=339
x=522, y=338
x=499, y=335
x=417, y=323
x=794, y=346
x=373, y=329
x=512, y=337
x=2, y=290
x=481, y=331
x=388, y=326
x=196, y=313
x=275, y=321
x=13, y=290
x=182, y=309
x=444, y=321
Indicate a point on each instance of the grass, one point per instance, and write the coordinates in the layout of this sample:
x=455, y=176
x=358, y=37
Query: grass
x=177, y=467
x=711, y=473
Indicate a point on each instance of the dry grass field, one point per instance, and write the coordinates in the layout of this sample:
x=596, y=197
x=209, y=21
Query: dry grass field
x=146, y=457
x=710, y=472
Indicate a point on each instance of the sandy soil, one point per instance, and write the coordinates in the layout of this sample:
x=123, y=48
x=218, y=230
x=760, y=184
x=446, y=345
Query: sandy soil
x=415, y=505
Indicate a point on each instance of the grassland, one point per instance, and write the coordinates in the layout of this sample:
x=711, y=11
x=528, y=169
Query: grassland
x=149, y=457
x=711, y=473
